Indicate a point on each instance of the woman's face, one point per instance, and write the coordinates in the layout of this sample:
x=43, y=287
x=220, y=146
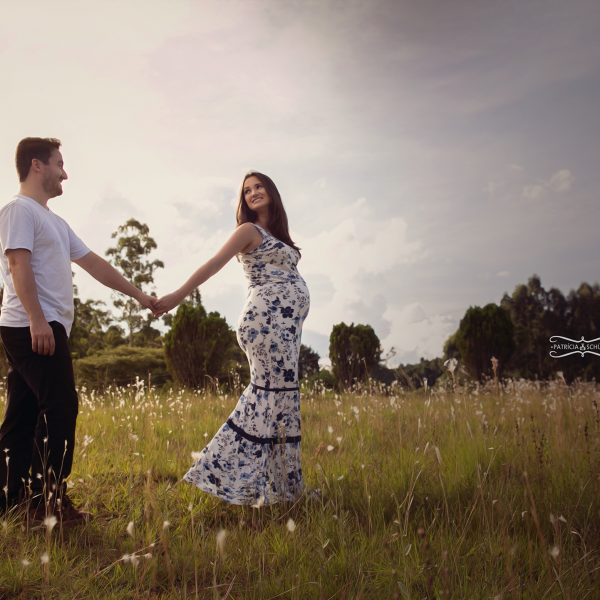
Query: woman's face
x=255, y=195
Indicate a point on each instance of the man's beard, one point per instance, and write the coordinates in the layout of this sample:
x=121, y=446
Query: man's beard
x=52, y=187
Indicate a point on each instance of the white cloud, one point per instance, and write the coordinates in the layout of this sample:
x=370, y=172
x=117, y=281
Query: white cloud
x=414, y=334
x=372, y=315
x=561, y=181
x=533, y=192
x=493, y=186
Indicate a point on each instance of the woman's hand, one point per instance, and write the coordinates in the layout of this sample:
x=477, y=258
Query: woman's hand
x=149, y=302
x=168, y=302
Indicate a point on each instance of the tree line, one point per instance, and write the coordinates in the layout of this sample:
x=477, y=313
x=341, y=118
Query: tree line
x=200, y=348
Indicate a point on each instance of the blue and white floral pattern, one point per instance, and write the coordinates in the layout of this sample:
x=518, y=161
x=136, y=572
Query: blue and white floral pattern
x=256, y=453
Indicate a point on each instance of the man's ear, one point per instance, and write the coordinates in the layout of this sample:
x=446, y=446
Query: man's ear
x=35, y=164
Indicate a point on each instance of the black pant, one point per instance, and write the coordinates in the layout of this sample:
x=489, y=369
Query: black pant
x=41, y=412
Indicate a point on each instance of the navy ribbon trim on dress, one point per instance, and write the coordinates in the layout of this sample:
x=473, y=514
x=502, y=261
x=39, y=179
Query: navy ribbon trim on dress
x=258, y=440
x=258, y=387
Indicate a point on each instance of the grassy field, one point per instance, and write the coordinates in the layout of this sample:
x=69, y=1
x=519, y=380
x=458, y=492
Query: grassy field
x=466, y=492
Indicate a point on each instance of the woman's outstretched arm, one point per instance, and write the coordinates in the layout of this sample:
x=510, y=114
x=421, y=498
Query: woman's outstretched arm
x=244, y=239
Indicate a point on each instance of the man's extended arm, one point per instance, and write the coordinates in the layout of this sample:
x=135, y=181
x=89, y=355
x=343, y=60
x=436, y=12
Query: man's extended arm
x=106, y=274
x=42, y=336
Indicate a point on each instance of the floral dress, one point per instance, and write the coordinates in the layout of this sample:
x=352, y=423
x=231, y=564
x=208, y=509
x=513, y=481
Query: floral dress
x=255, y=455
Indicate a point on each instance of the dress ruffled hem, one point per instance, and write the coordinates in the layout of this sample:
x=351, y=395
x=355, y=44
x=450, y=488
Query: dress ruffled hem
x=240, y=471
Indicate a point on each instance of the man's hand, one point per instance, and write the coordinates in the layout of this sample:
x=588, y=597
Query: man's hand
x=149, y=302
x=42, y=337
x=168, y=302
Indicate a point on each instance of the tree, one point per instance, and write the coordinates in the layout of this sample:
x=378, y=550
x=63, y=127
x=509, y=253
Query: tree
x=484, y=333
x=308, y=362
x=353, y=350
x=199, y=346
x=129, y=257
x=533, y=312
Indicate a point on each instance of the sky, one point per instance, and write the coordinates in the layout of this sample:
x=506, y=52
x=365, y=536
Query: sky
x=431, y=155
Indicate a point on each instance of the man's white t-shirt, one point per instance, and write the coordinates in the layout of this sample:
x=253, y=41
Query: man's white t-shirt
x=53, y=245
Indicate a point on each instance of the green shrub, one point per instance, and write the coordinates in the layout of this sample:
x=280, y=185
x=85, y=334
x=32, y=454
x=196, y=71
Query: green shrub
x=324, y=376
x=484, y=333
x=121, y=365
x=199, y=347
x=354, y=350
x=308, y=362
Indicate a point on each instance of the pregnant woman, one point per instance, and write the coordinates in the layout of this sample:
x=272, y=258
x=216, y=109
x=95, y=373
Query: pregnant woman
x=255, y=455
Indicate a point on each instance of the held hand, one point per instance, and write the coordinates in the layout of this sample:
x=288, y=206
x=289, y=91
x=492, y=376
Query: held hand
x=149, y=302
x=168, y=302
x=42, y=337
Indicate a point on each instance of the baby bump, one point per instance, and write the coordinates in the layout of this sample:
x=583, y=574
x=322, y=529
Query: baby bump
x=269, y=331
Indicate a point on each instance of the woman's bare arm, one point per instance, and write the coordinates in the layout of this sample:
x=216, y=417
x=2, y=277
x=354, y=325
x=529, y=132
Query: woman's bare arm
x=244, y=239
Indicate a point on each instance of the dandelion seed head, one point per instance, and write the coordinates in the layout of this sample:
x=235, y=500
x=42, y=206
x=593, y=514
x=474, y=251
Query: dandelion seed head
x=554, y=552
x=25, y=562
x=130, y=528
x=196, y=456
x=45, y=559
x=338, y=439
x=290, y=525
x=330, y=429
x=259, y=503
x=451, y=365
x=329, y=448
x=50, y=522
x=166, y=524
x=221, y=536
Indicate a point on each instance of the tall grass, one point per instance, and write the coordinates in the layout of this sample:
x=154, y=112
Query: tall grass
x=452, y=492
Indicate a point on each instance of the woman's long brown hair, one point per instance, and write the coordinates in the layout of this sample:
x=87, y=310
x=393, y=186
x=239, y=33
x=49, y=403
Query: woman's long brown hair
x=278, y=222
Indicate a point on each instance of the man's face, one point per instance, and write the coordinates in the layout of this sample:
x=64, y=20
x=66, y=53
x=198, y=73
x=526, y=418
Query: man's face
x=53, y=175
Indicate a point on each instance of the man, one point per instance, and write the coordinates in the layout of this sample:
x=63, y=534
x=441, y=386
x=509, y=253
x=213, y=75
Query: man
x=38, y=433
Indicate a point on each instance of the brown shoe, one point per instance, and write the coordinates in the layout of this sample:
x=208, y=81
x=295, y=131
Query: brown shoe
x=62, y=509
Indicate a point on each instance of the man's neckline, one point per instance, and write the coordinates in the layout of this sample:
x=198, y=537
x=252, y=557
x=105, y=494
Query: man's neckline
x=46, y=208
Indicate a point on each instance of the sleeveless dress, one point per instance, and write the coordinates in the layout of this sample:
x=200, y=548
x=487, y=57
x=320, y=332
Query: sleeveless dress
x=255, y=455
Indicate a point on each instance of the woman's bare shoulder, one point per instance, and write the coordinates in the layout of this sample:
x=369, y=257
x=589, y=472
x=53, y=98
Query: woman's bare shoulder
x=249, y=236
x=246, y=227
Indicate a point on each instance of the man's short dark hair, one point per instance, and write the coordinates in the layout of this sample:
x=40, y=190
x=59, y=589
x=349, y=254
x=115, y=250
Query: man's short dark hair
x=33, y=147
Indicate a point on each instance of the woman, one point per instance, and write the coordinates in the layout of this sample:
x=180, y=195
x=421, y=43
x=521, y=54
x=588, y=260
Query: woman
x=255, y=455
